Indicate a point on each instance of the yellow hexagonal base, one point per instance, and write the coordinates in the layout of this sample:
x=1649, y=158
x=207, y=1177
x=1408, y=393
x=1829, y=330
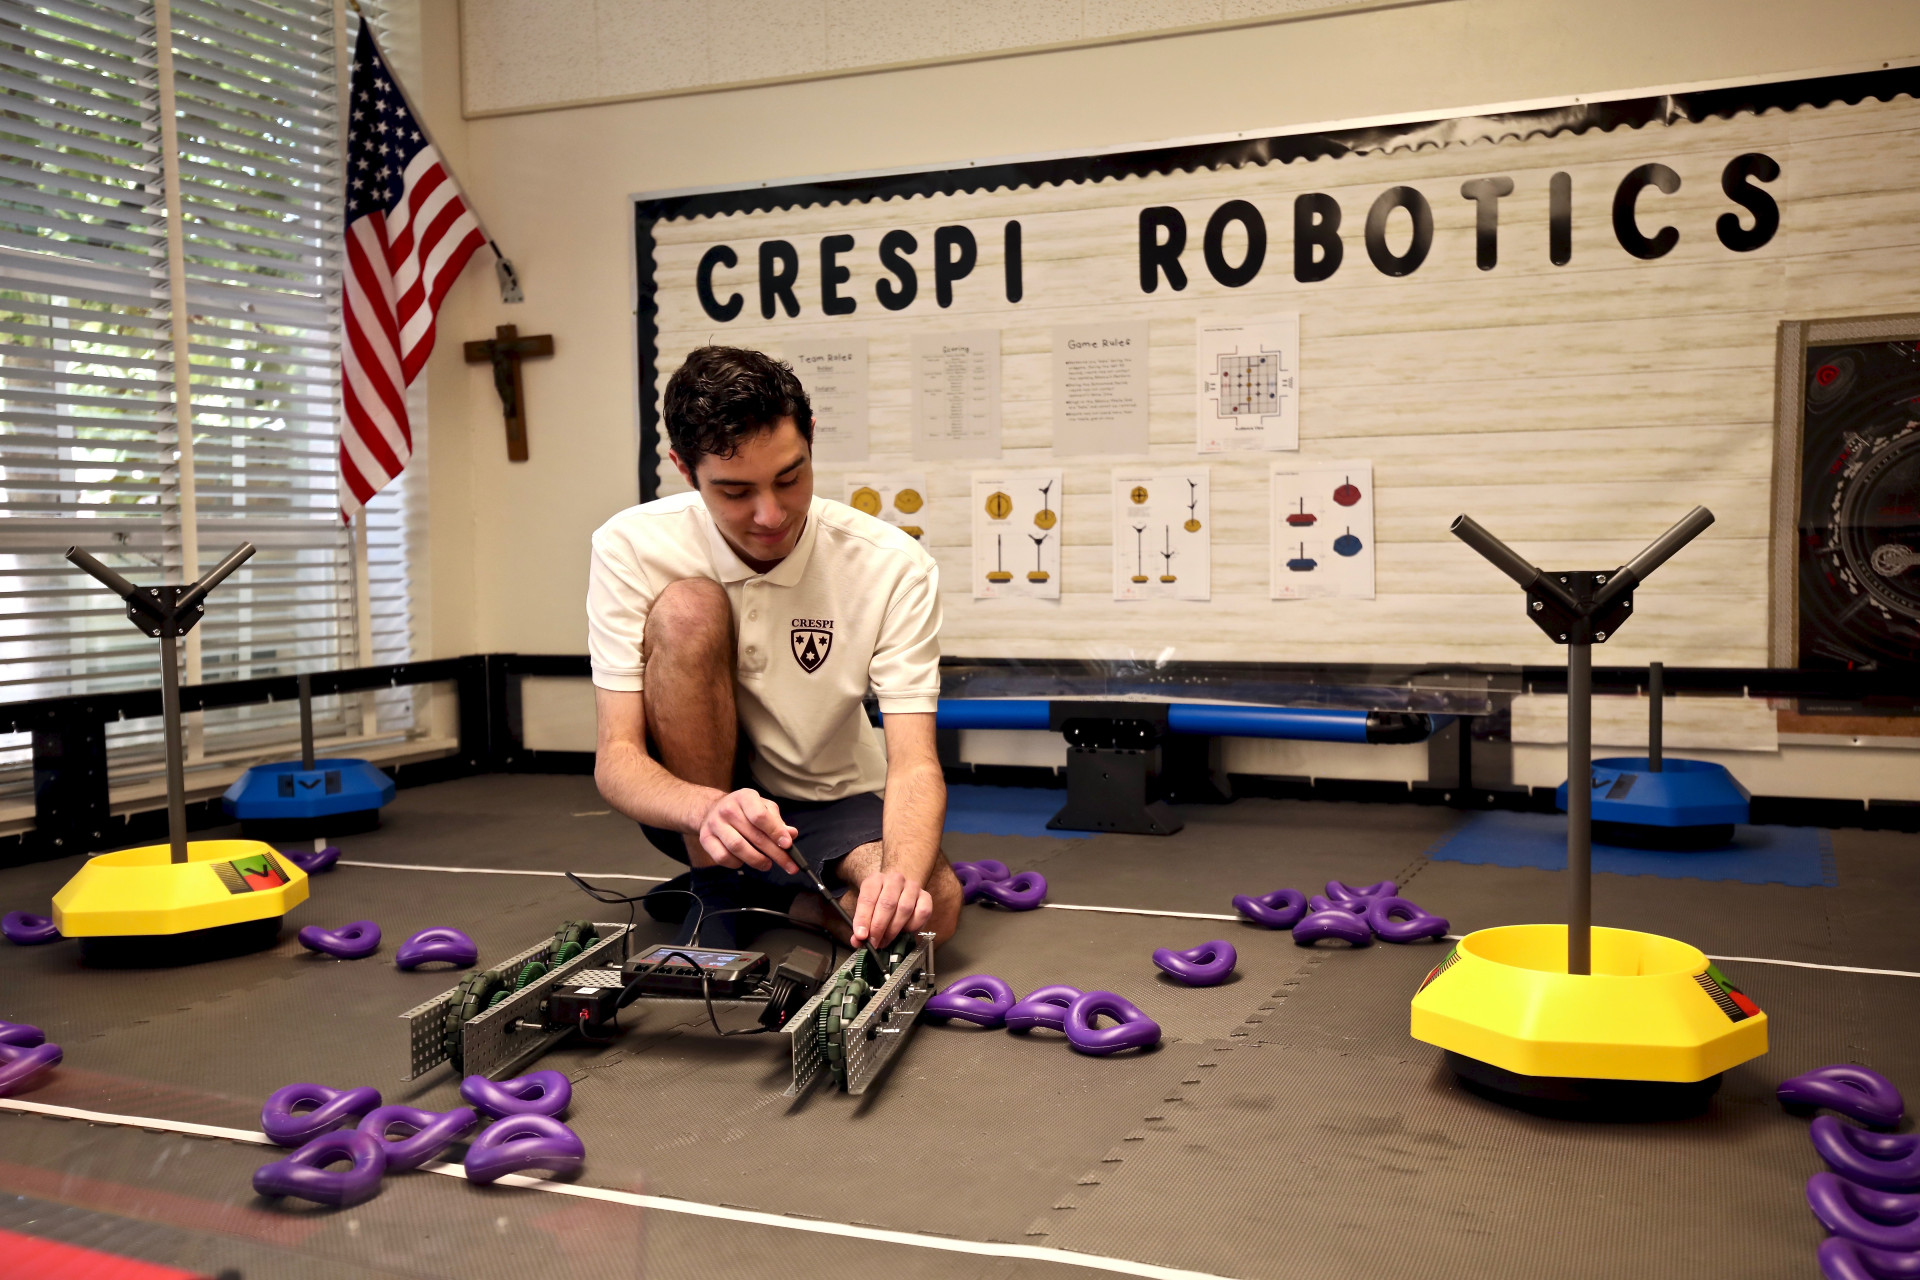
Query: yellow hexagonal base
x=1652, y=1009
x=143, y=892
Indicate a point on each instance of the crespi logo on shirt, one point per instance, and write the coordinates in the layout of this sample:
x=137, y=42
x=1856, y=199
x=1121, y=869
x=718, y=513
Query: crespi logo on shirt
x=812, y=642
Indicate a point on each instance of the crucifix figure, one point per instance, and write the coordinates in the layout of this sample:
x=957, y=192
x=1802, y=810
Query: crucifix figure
x=504, y=352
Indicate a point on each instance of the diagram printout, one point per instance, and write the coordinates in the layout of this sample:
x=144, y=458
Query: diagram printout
x=1248, y=378
x=1162, y=534
x=898, y=497
x=1016, y=534
x=1322, y=530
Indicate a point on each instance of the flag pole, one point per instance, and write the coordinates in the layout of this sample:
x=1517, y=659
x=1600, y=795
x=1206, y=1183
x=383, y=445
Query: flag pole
x=503, y=269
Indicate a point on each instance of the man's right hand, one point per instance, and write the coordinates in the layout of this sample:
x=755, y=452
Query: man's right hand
x=744, y=829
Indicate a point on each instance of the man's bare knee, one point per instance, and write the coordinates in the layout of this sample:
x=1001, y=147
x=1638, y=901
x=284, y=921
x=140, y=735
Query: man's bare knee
x=690, y=616
x=944, y=887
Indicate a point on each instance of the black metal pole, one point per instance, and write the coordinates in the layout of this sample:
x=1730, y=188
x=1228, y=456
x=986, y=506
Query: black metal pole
x=1656, y=712
x=1579, y=807
x=176, y=765
x=306, y=722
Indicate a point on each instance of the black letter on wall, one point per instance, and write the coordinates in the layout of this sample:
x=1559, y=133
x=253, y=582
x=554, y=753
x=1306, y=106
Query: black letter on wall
x=1626, y=229
x=1015, y=287
x=833, y=275
x=1486, y=193
x=894, y=246
x=778, y=283
x=1766, y=214
x=1157, y=255
x=1249, y=217
x=719, y=256
x=948, y=265
x=1422, y=214
x=1560, y=219
x=1316, y=224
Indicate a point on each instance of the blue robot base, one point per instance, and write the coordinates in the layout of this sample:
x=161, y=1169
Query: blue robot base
x=287, y=801
x=1688, y=804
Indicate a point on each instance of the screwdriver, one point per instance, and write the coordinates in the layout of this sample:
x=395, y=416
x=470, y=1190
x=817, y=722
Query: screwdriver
x=821, y=885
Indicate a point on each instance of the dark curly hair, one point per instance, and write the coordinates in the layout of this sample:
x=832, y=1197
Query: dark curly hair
x=723, y=396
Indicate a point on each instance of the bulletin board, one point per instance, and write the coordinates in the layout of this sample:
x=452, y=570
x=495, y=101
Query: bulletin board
x=1564, y=323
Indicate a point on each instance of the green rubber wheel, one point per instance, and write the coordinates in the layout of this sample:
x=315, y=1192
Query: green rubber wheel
x=827, y=1026
x=571, y=938
x=476, y=993
x=532, y=971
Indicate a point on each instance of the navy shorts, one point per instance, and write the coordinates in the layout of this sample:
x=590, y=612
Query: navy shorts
x=829, y=831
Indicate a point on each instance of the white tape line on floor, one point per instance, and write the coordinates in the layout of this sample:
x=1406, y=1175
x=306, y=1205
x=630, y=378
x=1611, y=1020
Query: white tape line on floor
x=667, y=1204
x=1073, y=906
x=499, y=871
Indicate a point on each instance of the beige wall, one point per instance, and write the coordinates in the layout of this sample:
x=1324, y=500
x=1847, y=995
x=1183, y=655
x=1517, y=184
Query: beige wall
x=508, y=555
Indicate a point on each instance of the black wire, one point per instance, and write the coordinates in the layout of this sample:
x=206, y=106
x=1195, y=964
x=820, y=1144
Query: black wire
x=699, y=922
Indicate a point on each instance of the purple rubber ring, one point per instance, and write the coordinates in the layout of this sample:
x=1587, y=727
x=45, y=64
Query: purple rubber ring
x=429, y=1132
x=524, y=1142
x=1844, y=1259
x=985, y=868
x=981, y=999
x=1853, y=1091
x=1345, y=893
x=356, y=941
x=1321, y=902
x=440, y=942
x=1343, y=925
x=1878, y=1219
x=22, y=1034
x=1023, y=892
x=969, y=879
x=1207, y=965
x=313, y=862
x=1397, y=920
x=1044, y=1007
x=305, y=1174
x=288, y=1126
x=24, y=929
x=1883, y=1161
x=538, y=1093
x=1280, y=909
x=21, y=1065
x=1135, y=1030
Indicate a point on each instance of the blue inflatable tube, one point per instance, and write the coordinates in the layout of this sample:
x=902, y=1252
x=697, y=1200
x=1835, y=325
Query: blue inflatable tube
x=1304, y=724
x=992, y=713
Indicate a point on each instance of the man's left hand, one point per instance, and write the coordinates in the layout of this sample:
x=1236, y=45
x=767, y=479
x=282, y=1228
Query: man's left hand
x=890, y=904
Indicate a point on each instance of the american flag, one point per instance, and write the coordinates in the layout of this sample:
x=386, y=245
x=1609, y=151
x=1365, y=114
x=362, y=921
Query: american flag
x=409, y=233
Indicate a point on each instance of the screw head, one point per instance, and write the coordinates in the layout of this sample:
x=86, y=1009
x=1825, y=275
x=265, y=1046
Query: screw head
x=1599, y=635
x=1599, y=578
x=1563, y=635
x=1537, y=606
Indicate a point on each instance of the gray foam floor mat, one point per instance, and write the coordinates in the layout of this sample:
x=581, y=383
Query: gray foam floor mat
x=1287, y=1124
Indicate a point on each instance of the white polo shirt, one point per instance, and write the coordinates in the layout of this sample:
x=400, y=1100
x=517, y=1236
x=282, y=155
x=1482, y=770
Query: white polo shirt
x=855, y=606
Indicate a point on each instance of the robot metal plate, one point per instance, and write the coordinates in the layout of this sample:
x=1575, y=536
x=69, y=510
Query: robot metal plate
x=493, y=1041
x=876, y=1034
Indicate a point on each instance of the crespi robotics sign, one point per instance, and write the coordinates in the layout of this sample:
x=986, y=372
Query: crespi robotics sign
x=1234, y=246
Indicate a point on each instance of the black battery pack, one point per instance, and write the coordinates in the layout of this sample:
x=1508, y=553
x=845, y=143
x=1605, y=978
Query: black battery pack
x=583, y=1004
x=689, y=971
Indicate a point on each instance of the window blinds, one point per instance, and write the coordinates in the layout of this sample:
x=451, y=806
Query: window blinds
x=88, y=427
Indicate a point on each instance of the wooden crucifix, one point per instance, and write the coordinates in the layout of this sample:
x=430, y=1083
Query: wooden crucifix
x=504, y=352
